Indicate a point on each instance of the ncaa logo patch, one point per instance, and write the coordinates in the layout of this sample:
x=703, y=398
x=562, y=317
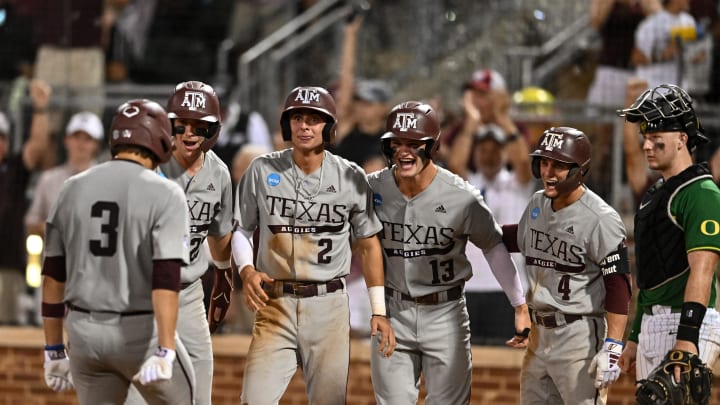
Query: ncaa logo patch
x=377, y=199
x=273, y=179
x=534, y=213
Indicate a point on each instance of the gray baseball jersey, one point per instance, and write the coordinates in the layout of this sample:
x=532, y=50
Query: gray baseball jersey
x=305, y=223
x=110, y=222
x=563, y=251
x=424, y=238
x=209, y=201
x=305, y=219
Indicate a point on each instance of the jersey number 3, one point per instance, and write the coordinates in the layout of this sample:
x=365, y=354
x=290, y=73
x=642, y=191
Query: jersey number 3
x=108, y=228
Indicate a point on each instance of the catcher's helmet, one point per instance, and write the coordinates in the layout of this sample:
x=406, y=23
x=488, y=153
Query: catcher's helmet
x=314, y=98
x=143, y=123
x=567, y=145
x=197, y=100
x=412, y=120
x=666, y=108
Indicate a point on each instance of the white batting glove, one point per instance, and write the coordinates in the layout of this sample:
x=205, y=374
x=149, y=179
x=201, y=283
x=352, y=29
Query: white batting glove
x=57, y=369
x=605, y=363
x=157, y=367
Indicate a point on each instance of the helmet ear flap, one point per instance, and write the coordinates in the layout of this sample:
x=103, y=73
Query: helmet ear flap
x=535, y=166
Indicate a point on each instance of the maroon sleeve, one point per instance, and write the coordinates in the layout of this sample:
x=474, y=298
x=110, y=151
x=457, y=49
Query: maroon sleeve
x=617, y=293
x=509, y=237
x=166, y=274
x=55, y=267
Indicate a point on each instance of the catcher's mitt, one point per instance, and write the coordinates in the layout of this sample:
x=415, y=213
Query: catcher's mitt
x=660, y=387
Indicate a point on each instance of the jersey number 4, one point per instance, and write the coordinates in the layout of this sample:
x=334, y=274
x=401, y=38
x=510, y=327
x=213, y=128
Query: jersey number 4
x=108, y=228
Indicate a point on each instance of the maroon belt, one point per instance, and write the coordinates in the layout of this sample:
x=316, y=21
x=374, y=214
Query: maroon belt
x=554, y=319
x=305, y=289
x=430, y=299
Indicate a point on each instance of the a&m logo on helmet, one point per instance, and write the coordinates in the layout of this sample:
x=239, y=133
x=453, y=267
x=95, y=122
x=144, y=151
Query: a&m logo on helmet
x=551, y=141
x=405, y=121
x=194, y=100
x=308, y=96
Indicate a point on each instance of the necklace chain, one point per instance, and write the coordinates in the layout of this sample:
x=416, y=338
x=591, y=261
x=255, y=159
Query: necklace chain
x=299, y=183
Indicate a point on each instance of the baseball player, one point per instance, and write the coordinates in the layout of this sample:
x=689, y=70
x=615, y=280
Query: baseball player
x=428, y=215
x=306, y=203
x=676, y=228
x=578, y=275
x=194, y=111
x=116, y=239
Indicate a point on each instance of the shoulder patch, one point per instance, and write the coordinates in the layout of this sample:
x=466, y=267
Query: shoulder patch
x=273, y=179
x=377, y=199
x=535, y=212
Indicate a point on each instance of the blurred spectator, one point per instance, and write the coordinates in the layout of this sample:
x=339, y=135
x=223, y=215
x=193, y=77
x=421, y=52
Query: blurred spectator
x=70, y=56
x=163, y=34
x=83, y=139
x=15, y=172
x=17, y=43
x=660, y=41
x=481, y=155
x=369, y=108
x=240, y=127
x=616, y=22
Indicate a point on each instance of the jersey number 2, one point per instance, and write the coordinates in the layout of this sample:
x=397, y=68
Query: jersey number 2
x=108, y=228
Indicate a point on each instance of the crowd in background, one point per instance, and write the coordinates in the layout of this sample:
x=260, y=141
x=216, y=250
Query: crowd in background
x=148, y=42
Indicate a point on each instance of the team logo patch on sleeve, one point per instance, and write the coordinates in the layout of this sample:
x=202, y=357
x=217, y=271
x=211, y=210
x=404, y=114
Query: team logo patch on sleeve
x=273, y=179
x=377, y=199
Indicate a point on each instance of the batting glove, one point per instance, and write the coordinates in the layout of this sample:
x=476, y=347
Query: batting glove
x=220, y=298
x=605, y=363
x=157, y=367
x=57, y=368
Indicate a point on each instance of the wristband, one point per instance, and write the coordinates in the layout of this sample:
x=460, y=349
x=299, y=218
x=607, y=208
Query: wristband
x=377, y=300
x=222, y=264
x=617, y=342
x=57, y=347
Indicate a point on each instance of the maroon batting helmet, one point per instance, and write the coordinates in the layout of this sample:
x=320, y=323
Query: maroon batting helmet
x=314, y=98
x=567, y=145
x=412, y=120
x=197, y=100
x=143, y=123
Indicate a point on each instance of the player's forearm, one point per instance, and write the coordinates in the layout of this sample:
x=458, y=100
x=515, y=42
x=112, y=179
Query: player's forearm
x=220, y=248
x=616, y=325
x=372, y=264
x=165, y=306
x=53, y=292
x=702, y=267
x=242, y=250
x=505, y=273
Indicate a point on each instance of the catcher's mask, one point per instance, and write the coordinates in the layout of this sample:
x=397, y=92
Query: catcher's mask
x=567, y=145
x=666, y=108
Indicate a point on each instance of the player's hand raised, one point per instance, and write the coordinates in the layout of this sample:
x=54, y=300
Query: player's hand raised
x=253, y=293
x=220, y=297
x=386, y=335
